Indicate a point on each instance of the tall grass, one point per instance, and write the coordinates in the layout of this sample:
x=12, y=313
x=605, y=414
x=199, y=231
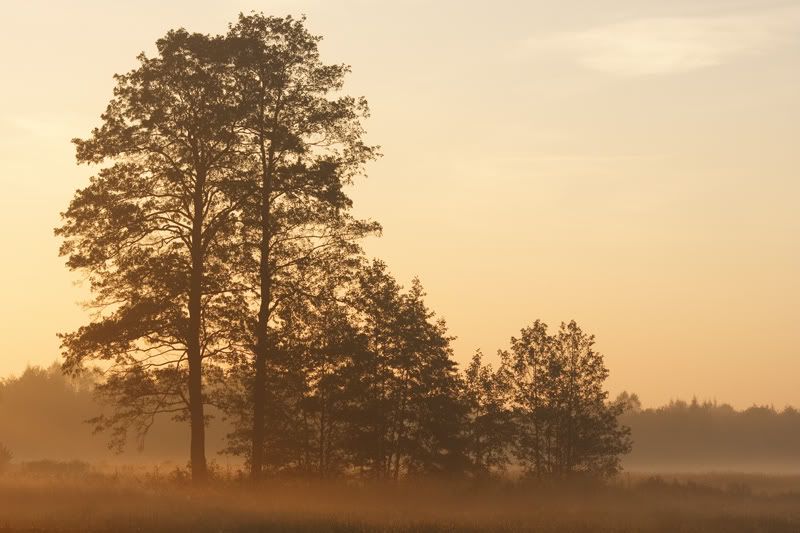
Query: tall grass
x=97, y=502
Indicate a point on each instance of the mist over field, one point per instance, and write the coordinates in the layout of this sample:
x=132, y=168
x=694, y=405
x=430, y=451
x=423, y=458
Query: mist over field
x=44, y=417
x=716, y=504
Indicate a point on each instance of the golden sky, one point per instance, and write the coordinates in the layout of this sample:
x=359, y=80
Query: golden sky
x=634, y=165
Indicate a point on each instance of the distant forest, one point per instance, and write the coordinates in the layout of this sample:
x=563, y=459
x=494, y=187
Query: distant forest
x=43, y=414
x=704, y=436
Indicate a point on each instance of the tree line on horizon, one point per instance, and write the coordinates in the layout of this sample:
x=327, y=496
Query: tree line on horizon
x=226, y=271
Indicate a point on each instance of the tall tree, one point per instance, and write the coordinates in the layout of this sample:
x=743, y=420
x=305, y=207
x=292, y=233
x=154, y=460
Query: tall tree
x=326, y=341
x=306, y=140
x=153, y=234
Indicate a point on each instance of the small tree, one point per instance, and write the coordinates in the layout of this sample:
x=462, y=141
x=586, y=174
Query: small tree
x=490, y=427
x=405, y=414
x=566, y=425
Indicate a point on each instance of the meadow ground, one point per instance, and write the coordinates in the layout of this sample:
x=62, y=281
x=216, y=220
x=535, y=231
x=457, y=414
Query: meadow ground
x=145, y=503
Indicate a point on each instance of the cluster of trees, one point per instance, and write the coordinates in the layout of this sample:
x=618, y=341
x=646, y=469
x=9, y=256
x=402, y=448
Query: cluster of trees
x=226, y=272
x=546, y=406
x=365, y=382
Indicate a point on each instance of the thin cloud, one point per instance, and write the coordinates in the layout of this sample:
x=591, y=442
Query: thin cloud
x=667, y=45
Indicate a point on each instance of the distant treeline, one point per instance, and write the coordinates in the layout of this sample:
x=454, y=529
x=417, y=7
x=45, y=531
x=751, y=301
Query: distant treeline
x=42, y=416
x=703, y=436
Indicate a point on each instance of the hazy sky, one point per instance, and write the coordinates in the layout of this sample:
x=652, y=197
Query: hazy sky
x=634, y=165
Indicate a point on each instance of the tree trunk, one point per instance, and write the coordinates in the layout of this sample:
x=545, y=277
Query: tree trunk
x=262, y=341
x=196, y=415
x=322, y=426
x=259, y=398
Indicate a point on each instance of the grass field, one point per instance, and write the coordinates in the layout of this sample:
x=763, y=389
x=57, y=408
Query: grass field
x=104, y=503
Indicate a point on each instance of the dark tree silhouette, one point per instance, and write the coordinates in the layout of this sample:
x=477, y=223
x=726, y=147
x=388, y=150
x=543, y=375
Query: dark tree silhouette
x=153, y=234
x=312, y=338
x=306, y=142
x=566, y=425
x=407, y=416
x=361, y=380
x=490, y=424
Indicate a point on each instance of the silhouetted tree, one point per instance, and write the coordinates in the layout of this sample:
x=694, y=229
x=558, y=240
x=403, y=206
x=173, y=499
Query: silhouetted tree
x=433, y=394
x=152, y=232
x=490, y=424
x=407, y=417
x=326, y=342
x=566, y=426
x=361, y=378
x=314, y=338
x=306, y=142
